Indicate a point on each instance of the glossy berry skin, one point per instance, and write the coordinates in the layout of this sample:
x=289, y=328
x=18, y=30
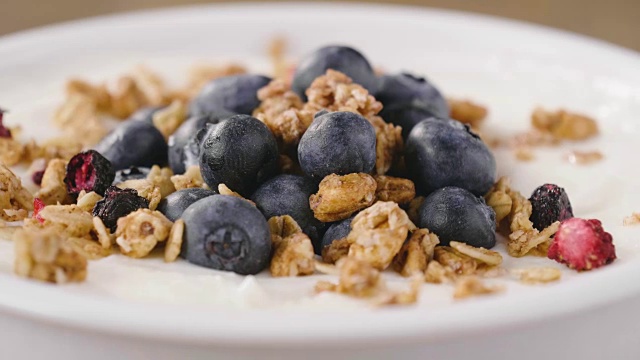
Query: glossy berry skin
x=88, y=171
x=240, y=152
x=441, y=153
x=176, y=203
x=226, y=233
x=340, y=143
x=237, y=94
x=550, y=203
x=582, y=244
x=131, y=173
x=337, y=230
x=116, y=204
x=340, y=58
x=289, y=195
x=134, y=143
x=184, y=143
x=456, y=214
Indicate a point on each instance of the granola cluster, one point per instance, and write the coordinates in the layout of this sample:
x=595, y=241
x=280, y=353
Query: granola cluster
x=467, y=112
x=139, y=232
x=340, y=196
x=293, y=252
x=15, y=201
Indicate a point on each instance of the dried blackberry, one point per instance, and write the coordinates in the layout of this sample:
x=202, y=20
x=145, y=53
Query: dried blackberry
x=116, y=204
x=4, y=132
x=550, y=204
x=88, y=171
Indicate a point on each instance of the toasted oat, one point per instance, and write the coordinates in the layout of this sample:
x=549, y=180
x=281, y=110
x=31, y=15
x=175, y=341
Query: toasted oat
x=192, y=178
x=389, y=144
x=532, y=138
x=468, y=286
x=126, y=98
x=576, y=157
x=283, y=226
x=89, y=249
x=413, y=210
x=436, y=273
x=292, y=256
x=394, y=189
x=43, y=254
x=71, y=220
x=151, y=86
x=78, y=117
x=458, y=263
x=53, y=189
x=340, y=196
x=467, y=112
x=98, y=94
x=416, y=253
x=277, y=50
x=170, y=118
x=523, y=153
x=87, y=201
x=139, y=232
x=500, y=202
x=6, y=232
x=161, y=178
x=145, y=188
x=12, y=151
x=55, y=148
x=377, y=234
x=633, y=219
x=15, y=201
x=105, y=238
x=336, y=250
x=538, y=275
x=564, y=124
x=174, y=242
x=224, y=190
x=481, y=254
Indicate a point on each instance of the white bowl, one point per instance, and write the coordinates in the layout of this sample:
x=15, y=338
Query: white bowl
x=142, y=309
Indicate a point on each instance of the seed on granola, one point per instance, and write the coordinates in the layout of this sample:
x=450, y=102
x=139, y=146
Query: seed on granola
x=340, y=196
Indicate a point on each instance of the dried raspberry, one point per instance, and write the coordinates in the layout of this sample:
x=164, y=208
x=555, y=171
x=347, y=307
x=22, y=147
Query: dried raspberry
x=118, y=203
x=88, y=171
x=550, y=203
x=38, y=205
x=582, y=245
x=4, y=132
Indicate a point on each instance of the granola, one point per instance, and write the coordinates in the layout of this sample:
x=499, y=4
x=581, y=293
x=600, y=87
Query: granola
x=89, y=249
x=394, y=189
x=336, y=250
x=436, y=273
x=416, y=253
x=377, y=234
x=11, y=151
x=70, y=220
x=139, y=232
x=53, y=189
x=161, y=178
x=200, y=74
x=169, y=119
x=293, y=256
x=583, y=157
x=174, y=242
x=87, y=200
x=43, y=254
x=483, y=255
x=145, y=188
x=458, y=263
x=563, y=124
x=467, y=112
x=192, y=178
x=15, y=201
x=340, y=196
x=468, y=286
x=633, y=219
x=413, y=210
x=105, y=238
x=224, y=190
x=538, y=275
x=78, y=117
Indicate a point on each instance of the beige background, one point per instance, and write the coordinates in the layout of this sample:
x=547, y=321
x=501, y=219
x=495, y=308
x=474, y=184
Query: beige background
x=613, y=20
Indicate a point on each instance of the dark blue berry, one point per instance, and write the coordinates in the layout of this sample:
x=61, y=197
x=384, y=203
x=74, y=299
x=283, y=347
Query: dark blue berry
x=176, y=203
x=134, y=143
x=88, y=171
x=337, y=143
x=116, y=204
x=340, y=58
x=131, y=173
x=456, y=214
x=240, y=152
x=550, y=203
x=145, y=114
x=289, y=195
x=226, y=233
x=441, y=153
x=337, y=231
x=184, y=143
x=237, y=94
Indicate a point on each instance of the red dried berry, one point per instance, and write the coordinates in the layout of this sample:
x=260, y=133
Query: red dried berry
x=118, y=203
x=38, y=205
x=88, y=171
x=550, y=203
x=582, y=245
x=4, y=132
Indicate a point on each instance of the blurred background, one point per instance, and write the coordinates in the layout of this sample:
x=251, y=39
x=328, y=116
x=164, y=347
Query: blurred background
x=613, y=20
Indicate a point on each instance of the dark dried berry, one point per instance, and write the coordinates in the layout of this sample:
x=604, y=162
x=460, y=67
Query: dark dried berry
x=88, y=171
x=38, y=205
x=118, y=203
x=550, y=203
x=131, y=173
x=36, y=177
x=4, y=132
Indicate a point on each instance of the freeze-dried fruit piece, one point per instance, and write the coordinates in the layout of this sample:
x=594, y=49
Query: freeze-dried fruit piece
x=38, y=205
x=483, y=255
x=467, y=112
x=377, y=234
x=564, y=124
x=538, y=275
x=340, y=196
x=394, y=189
x=89, y=171
x=15, y=201
x=4, y=131
x=416, y=253
x=139, y=232
x=43, y=254
x=582, y=245
x=174, y=242
x=53, y=188
x=468, y=286
x=549, y=203
x=116, y=204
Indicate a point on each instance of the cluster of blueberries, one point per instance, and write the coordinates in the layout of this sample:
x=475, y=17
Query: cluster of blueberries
x=449, y=164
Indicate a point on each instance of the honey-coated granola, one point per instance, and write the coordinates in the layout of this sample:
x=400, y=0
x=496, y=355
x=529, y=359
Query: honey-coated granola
x=293, y=252
x=394, y=189
x=15, y=201
x=192, y=178
x=467, y=112
x=139, y=232
x=564, y=125
x=53, y=190
x=468, y=286
x=416, y=253
x=174, y=242
x=340, y=196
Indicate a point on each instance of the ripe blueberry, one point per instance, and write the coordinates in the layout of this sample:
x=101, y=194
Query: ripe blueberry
x=176, y=203
x=237, y=94
x=337, y=230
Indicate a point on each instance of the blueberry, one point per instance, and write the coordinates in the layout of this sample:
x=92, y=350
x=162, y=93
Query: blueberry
x=145, y=114
x=337, y=230
x=340, y=58
x=549, y=203
x=441, y=153
x=88, y=171
x=176, y=203
x=134, y=143
x=226, y=233
x=337, y=143
x=131, y=173
x=184, y=144
x=240, y=152
x=456, y=214
x=289, y=195
x=236, y=93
